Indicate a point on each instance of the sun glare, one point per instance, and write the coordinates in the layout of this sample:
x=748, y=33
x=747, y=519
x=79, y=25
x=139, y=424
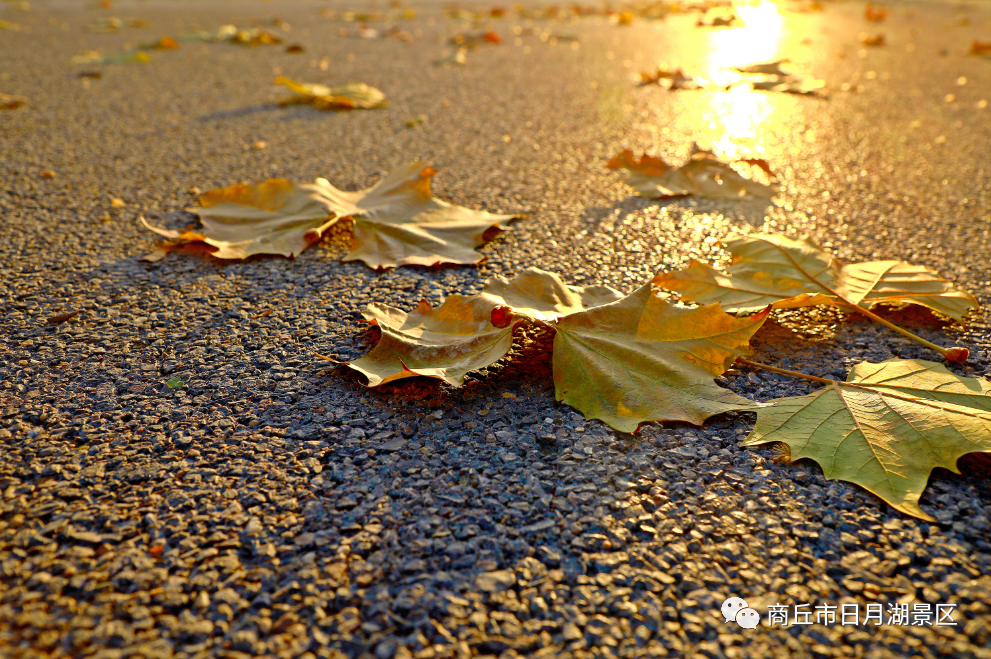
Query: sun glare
x=735, y=117
x=755, y=41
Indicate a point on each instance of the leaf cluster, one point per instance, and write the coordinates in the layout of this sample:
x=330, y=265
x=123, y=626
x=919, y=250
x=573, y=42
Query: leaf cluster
x=630, y=359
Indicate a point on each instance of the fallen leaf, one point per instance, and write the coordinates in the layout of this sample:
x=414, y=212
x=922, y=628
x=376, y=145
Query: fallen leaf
x=670, y=79
x=623, y=18
x=721, y=20
x=355, y=95
x=444, y=342
x=459, y=336
x=772, y=68
x=416, y=121
x=62, y=317
x=875, y=14
x=778, y=79
x=397, y=221
x=980, y=48
x=273, y=217
x=810, y=87
x=788, y=273
x=255, y=37
x=232, y=34
x=93, y=57
x=165, y=43
x=459, y=57
x=872, y=40
x=886, y=428
x=704, y=175
x=543, y=296
x=473, y=41
x=9, y=102
x=643, y=359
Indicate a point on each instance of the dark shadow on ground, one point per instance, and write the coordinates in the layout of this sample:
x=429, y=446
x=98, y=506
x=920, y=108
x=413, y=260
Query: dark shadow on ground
x=240, y=112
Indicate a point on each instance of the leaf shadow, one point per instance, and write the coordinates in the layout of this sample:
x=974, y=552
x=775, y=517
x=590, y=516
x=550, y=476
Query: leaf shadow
x=238, y=113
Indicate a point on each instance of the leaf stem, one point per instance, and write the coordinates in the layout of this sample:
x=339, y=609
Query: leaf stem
x=782, y=371
x=954, y=354
x=958, y=355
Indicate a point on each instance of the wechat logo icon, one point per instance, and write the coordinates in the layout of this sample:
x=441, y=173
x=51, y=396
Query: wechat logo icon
x=735, y=609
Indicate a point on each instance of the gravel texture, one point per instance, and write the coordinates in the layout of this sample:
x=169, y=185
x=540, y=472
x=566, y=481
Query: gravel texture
x=272, y=506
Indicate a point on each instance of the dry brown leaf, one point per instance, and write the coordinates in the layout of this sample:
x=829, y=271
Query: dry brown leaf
x=704, y=175
x=397, y=221
x=9, y=102
x=466, y=333
x=273, y=217
x=980, y=48
x=875, y=14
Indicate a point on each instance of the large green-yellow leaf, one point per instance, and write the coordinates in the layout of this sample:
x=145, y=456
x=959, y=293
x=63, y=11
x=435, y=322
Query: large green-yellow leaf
x=460, y=336
x=272, y=217
x=643, y=359
x=398, y=222
x=352, y=96
x=886, y=428
x=788, y=273
x=704, y=175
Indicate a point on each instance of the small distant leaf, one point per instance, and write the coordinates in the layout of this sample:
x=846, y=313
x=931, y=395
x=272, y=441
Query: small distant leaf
x=980, y=48
x=459, y=57
x=174, y=383
x=642, y=359
x=670, y=79
x=772, y=68
x=97, y=58
x=788, y=273
x=165, y=43
x=416, y=121
x=872, y=40
x=8, y=102
x=875, y=14
x=356, y=95
x=254, y=37
x=886, y=428
x=703, y=176
x=808, y=87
